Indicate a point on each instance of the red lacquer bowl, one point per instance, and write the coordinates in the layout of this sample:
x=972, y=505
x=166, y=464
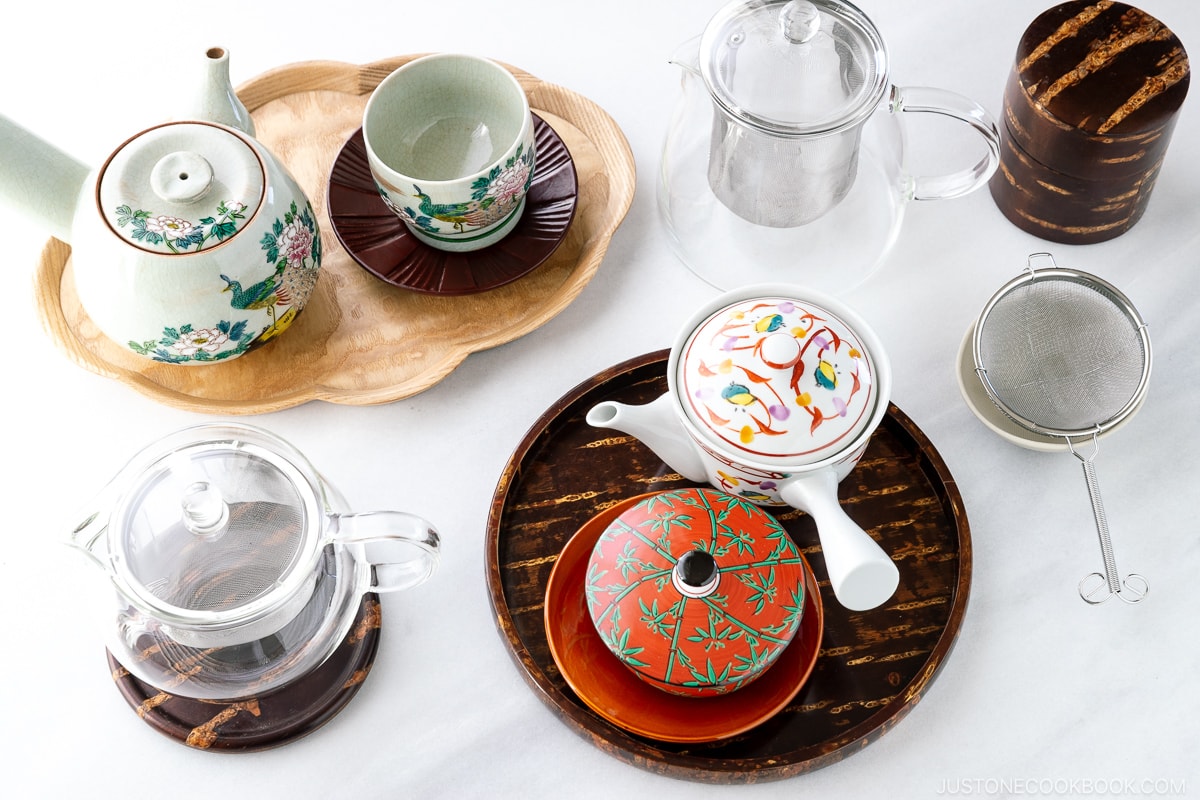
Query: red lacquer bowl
x=617, y=695
x=695, y=590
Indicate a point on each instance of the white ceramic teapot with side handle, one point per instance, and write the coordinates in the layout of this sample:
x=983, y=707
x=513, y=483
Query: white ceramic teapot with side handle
x=191, y=243
x=773, y=394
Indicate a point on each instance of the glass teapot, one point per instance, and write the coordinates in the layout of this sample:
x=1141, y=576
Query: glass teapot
x=785, y=156
x=232, y=566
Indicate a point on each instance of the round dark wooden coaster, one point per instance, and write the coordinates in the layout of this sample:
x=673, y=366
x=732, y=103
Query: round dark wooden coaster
x=268, y=720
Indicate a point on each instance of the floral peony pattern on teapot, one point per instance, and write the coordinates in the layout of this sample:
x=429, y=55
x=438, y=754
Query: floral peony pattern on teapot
x=292, y=253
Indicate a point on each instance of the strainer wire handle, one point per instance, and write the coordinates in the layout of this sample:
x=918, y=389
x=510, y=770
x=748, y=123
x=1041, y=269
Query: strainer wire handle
x=1111, y=576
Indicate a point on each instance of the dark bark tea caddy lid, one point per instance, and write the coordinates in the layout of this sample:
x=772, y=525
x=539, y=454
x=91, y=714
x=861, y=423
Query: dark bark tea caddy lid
x=1089, y=107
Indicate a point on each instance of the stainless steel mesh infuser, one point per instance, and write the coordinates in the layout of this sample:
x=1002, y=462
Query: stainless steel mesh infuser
x=1063, y=353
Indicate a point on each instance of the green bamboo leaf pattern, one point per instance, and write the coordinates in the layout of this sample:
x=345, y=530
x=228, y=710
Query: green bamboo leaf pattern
x=661, y=622
x=705, y=644
x=762, y=588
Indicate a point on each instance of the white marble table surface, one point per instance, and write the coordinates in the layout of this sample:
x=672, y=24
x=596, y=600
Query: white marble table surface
x=1042, y=695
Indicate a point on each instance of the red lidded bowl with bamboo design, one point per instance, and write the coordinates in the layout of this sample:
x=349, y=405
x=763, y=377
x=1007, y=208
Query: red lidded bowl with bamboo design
x=697, y=591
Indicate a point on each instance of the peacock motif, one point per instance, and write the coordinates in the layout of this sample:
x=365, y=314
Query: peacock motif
x=494, y=197
x=292, y=248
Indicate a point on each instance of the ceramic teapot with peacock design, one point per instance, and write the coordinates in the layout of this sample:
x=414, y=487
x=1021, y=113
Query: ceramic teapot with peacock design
x=191, y=243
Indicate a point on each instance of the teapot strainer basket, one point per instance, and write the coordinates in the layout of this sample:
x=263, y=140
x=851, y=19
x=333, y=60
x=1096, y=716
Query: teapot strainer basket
x=1065, y=354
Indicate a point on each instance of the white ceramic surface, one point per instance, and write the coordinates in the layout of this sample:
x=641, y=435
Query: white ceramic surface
x=1022, y=707
x=450, y=143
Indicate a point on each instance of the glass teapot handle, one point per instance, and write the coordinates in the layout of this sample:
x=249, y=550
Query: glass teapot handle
x=923, y=99
x=402, y=549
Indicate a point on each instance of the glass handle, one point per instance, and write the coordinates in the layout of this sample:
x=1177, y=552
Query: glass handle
x=925, y=100
x=402, y=549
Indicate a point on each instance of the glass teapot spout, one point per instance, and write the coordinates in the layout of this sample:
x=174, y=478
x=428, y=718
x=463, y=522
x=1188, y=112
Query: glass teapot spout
x=687, y=57
x=88, y=536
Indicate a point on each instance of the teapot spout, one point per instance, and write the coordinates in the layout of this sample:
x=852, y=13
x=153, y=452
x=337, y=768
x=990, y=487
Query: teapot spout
x=215, y=100
x=656, y=425
x=38, y=180
x=89, y=538
x=687, y=56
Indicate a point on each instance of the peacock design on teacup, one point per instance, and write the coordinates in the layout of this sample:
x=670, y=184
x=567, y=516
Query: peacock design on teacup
x=494, y=197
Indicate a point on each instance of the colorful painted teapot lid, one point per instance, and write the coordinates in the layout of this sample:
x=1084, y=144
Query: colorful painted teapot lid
x=697, y=591
x=181, y=187
x=776, y=378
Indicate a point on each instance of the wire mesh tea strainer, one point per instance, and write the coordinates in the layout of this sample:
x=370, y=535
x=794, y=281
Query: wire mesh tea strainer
x=1065, y=354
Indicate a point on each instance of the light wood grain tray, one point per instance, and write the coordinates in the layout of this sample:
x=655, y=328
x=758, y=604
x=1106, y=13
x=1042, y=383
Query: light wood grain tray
x=361, y=341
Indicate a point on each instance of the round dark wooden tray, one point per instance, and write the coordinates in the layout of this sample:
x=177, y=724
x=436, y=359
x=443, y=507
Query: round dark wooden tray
x=873, y=667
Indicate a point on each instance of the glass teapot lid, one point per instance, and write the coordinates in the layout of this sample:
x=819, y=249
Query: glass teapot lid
x=794, y=67
x=214, y=525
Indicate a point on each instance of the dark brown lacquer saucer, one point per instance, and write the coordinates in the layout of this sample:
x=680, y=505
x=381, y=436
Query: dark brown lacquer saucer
x=873, y=666
x=382, y=245
x=271, y=719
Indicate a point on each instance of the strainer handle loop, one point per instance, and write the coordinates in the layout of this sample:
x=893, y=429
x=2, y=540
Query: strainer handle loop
x=923, y=99
x=1087, y=458
x=1135, y=586
x=1032, y=256
x=402, y=549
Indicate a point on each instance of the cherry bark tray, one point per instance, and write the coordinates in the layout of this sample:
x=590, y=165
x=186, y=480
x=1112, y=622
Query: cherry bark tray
x=361, y=341
x=873, y=666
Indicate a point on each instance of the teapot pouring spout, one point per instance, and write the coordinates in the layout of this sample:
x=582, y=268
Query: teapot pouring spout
x=687, y=57
x=656, y=425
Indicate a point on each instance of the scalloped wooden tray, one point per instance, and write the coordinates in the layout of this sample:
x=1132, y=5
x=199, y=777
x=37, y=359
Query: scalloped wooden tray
x=361, y=341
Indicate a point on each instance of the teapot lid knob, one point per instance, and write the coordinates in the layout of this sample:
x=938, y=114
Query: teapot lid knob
x=204, y=509
x=182, y=177
x=800, y=21
x=696, y=574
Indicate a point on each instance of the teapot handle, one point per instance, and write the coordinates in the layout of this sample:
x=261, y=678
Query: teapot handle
x=923, y=99
x=401, y=549
x=861, y=574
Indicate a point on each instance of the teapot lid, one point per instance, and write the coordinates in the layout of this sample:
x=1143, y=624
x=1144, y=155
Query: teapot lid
x=213, y=525
x=794, y=67
x=696, y=590
x=181, y=187
x=778, y=378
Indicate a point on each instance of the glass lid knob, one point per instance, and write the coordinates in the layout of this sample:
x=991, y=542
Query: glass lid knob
x=800, y=21
x=204, y=509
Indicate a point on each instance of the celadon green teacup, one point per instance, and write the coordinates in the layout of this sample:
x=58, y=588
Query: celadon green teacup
x=450, y=143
